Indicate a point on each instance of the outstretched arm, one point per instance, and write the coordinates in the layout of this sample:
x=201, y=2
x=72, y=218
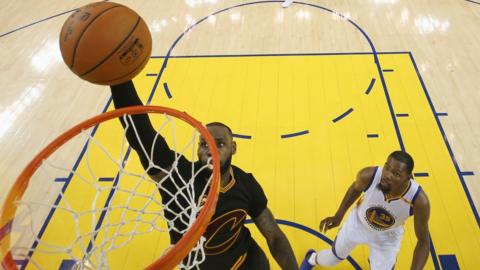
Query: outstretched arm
x=363, y=180
x=276, y=239
x=125, y=95
x=421, y=214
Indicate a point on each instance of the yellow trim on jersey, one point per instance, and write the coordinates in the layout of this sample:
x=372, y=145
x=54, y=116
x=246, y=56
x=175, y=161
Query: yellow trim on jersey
x=230, y=184
x=401, y=196
x=239, y=262
x=407, y=201
x=360, y=201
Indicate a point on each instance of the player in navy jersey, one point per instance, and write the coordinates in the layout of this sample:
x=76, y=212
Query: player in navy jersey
x=229, y=244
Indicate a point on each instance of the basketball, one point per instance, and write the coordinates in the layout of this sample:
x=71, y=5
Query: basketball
x=105, y=43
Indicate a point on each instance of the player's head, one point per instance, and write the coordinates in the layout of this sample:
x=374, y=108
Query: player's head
x=396, y=172
x=222, y=135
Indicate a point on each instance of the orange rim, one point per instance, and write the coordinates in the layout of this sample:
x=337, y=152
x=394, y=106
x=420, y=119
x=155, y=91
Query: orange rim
x=175, y=254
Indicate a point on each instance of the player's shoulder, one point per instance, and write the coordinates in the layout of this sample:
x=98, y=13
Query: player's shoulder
x=245, y=179
x=420, y=199
x=366, y=174
x=365, y=178
x=241, y=174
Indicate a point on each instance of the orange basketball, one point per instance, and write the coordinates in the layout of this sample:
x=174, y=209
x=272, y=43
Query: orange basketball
x=105, y=43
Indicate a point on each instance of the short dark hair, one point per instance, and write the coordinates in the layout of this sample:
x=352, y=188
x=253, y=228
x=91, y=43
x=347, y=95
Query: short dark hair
x=405, y=158
x=218, y=124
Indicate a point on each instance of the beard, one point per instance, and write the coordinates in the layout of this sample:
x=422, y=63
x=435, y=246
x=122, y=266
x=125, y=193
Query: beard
x=384, y=189
x=223, y=167
x=226, y=166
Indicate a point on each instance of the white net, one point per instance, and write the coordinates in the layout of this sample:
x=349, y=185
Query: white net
x=106, y=212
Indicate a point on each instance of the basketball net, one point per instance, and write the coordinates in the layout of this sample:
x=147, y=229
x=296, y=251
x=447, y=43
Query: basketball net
x=106, y=212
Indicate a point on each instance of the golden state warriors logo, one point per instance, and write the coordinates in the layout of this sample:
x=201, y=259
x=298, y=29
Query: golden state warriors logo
x=379, y=218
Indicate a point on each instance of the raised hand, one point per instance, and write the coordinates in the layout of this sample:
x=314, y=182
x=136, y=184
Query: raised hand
x=329, y=222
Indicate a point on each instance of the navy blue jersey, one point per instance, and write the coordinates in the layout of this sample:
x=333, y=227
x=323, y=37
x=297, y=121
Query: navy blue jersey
x=227, y=238
x=228, y=241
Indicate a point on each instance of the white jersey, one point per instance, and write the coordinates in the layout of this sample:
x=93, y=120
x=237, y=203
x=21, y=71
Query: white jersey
x=378, y=213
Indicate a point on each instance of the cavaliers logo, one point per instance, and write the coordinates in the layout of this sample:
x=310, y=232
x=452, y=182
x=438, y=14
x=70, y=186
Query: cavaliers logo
x=379, y=218
x=231, y=221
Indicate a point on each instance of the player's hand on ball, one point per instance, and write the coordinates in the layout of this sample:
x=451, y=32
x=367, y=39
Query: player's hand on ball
x=329, y=222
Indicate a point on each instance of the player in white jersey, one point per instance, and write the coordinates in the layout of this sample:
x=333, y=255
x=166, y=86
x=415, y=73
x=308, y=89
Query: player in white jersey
x=390, y=197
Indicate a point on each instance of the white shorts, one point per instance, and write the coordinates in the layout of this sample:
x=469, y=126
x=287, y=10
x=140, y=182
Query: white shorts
x=384, y=246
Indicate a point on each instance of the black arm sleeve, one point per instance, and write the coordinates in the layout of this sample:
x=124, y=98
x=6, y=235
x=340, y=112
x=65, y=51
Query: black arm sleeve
x=124, y=95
